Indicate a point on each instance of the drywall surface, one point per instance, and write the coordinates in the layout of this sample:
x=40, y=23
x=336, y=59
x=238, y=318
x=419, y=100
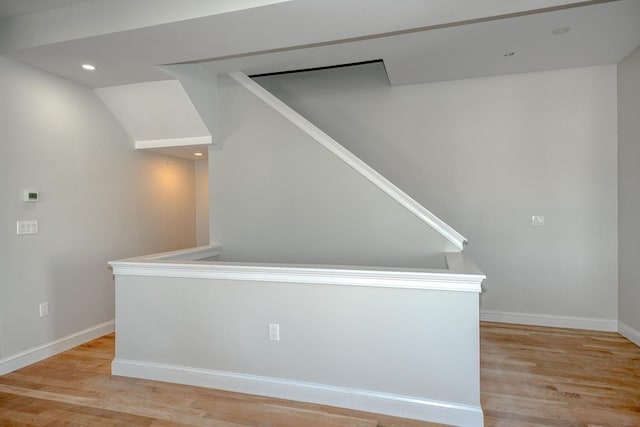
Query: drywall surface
x=629, y=189
x=99, y=200
x=420, y=344
x=88, y=19
x=157, y=110
x=485, y=155
x=279, y=196
x=201, y=87
x=202, y=201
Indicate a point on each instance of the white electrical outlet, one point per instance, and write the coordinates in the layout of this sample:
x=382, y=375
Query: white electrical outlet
x=44, y=309
x=274, y=332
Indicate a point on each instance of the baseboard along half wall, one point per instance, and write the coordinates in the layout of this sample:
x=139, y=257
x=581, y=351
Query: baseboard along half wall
x=41, y=352
x=606, y=325
x=362, y=400
x=629, y=333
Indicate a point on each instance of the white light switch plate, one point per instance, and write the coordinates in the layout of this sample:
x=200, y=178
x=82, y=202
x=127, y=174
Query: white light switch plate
x=27, y=227
x=537, y=220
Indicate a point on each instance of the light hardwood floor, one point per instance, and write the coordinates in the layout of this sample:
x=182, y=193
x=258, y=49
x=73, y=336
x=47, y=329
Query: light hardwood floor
x=535, y=376
x=530, y=376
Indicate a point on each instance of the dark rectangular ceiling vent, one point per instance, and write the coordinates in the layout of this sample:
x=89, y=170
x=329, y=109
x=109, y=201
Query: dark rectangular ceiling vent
x=328, y=67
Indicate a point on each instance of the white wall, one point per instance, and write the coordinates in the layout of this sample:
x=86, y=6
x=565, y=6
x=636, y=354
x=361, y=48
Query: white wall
x=277, y=195
x=485, y=155
x=100, y=201
x=406, y=352
x=629, y=192
x=202, y=201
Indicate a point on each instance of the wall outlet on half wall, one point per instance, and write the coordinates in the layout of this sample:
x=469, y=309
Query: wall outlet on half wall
x=44, y=309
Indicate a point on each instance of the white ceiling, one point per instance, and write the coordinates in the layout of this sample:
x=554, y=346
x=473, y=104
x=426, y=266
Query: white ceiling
x=419, y=41
x=599, y=34
x=154, y=110
x=10, y=8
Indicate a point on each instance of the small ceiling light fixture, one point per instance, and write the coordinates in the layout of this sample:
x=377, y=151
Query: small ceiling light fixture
x=507, y=54
x=197, y=154
x=561, y=30
x=88, y=67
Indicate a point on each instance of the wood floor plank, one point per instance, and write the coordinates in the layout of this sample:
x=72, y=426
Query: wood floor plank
x=558, y=377
x=530, y=377
x=76, y=388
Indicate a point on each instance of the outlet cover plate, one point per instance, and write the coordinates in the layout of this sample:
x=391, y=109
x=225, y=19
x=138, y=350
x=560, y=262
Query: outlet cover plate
x=274, y=332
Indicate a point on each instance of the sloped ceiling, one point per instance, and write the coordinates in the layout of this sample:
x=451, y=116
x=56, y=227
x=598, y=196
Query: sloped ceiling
x=418, y=40
x=173, y=117
x=154, y=110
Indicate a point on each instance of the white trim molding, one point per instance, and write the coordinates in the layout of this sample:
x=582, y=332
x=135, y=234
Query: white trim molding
x=349, y=158
x=188, y=254
x=361, y=400
x=629, y=333
x=607, y=325
x=465, y=277
x=41, y=352
x=173, y=142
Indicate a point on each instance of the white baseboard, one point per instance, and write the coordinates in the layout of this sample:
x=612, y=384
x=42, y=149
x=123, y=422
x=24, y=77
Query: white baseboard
x=629, y=333
x=41, y=352
x=361, y=400
x=549, y=320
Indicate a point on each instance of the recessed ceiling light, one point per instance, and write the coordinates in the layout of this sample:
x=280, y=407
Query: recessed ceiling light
x=507, y=54
x=88, y=67
x=561, y=30
x=197, y=154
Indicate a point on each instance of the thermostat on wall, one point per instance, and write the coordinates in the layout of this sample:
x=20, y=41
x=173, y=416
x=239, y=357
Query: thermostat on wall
x=30, y=196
